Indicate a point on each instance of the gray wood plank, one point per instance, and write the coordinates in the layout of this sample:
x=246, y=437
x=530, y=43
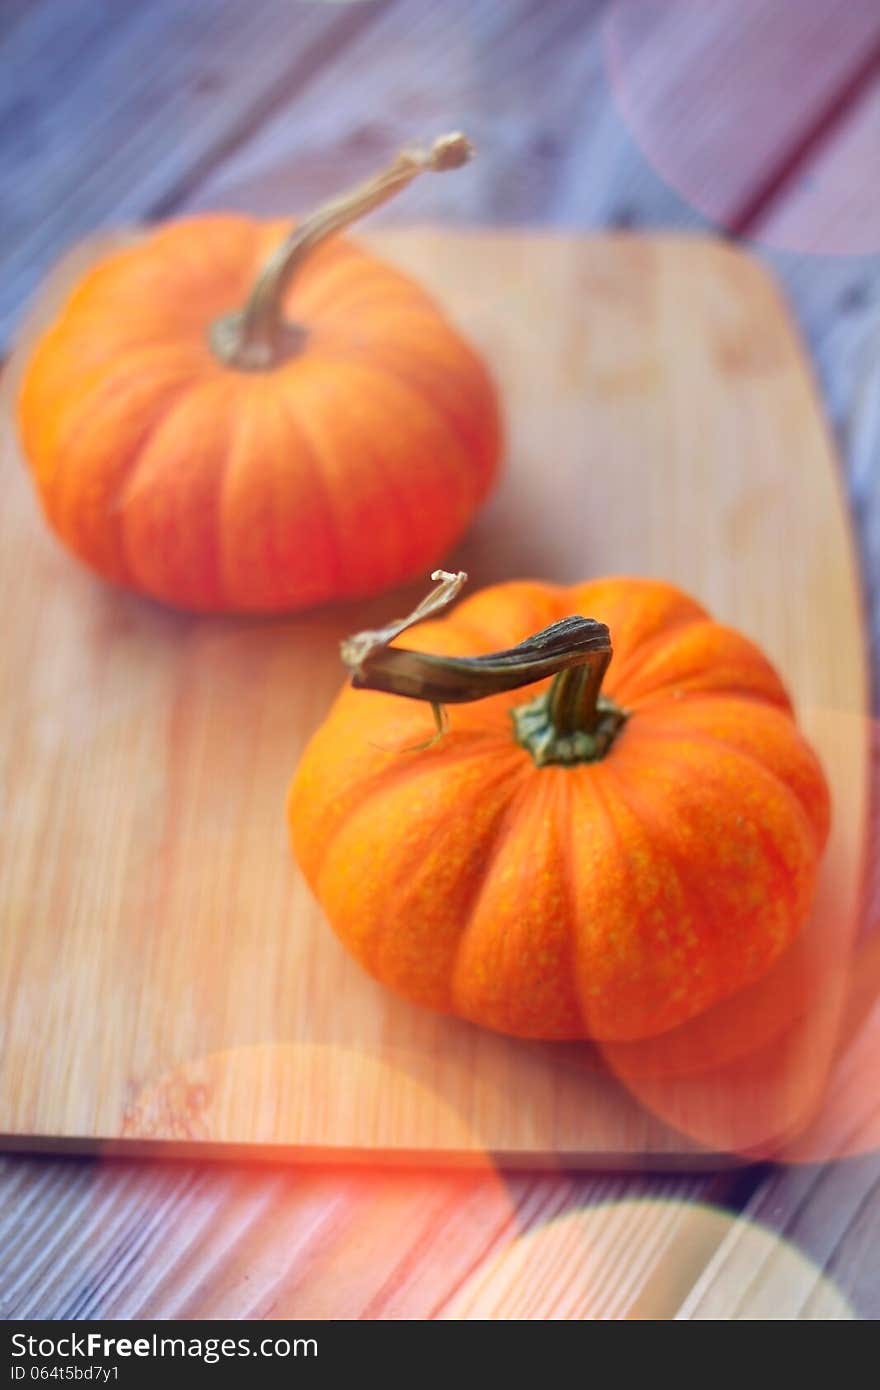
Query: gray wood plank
x=115, y=108
x=49, y=35
x=822, y=238
x=10, y=14
x=804, y=1248
x=721, y=107
x=510, y=75
x=805, y=1245
x=831, y=207
x=554, y=93
x=82, y=1239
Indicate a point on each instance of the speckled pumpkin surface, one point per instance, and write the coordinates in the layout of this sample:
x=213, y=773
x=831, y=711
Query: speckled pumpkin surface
x=245, y=416
x=609, y=899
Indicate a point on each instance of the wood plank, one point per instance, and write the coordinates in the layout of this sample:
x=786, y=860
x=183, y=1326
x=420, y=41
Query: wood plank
x=699, y=396
x=805, y=1245
x=119, y=1240
x=748, y=89
x=634, y=1259
x=833, y=207
x=418, y=70
x=823, y=236
x=43, y=40
x=635, y=111
x=140, y=98
x=804, y=1248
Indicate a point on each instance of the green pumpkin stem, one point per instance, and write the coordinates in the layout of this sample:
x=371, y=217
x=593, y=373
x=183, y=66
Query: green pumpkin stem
x=569, y=722
x=257, y=337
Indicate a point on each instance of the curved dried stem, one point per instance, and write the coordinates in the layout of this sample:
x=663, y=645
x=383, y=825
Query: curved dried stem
x=257, y=337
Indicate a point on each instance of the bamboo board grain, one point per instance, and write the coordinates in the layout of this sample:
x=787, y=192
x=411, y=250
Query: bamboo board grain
x=165, y=978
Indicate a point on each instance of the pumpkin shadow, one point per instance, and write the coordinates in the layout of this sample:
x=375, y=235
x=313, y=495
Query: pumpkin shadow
x=786, y=1071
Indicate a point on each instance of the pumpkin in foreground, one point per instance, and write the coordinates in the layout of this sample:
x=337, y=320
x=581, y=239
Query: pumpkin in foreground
x=600, y=856
x=233, y=415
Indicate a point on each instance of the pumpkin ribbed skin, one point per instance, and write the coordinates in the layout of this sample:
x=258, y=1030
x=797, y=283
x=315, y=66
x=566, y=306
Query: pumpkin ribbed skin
x=610, y=900
x=347, y=468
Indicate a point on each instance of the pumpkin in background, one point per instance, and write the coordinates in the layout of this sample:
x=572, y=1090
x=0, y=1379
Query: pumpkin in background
x=330, y=439
x=566, y=862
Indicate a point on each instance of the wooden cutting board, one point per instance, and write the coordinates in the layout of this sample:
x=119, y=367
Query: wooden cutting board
x=166, y=979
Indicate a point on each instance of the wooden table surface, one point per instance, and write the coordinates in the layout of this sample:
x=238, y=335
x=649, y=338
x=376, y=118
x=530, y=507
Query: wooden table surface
x=756, y=121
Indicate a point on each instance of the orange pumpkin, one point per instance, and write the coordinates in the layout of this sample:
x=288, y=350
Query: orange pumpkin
x=564, y=862
x=329, y=439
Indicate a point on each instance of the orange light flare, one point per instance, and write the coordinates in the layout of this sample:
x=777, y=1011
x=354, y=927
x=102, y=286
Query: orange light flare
x=305, y=1229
